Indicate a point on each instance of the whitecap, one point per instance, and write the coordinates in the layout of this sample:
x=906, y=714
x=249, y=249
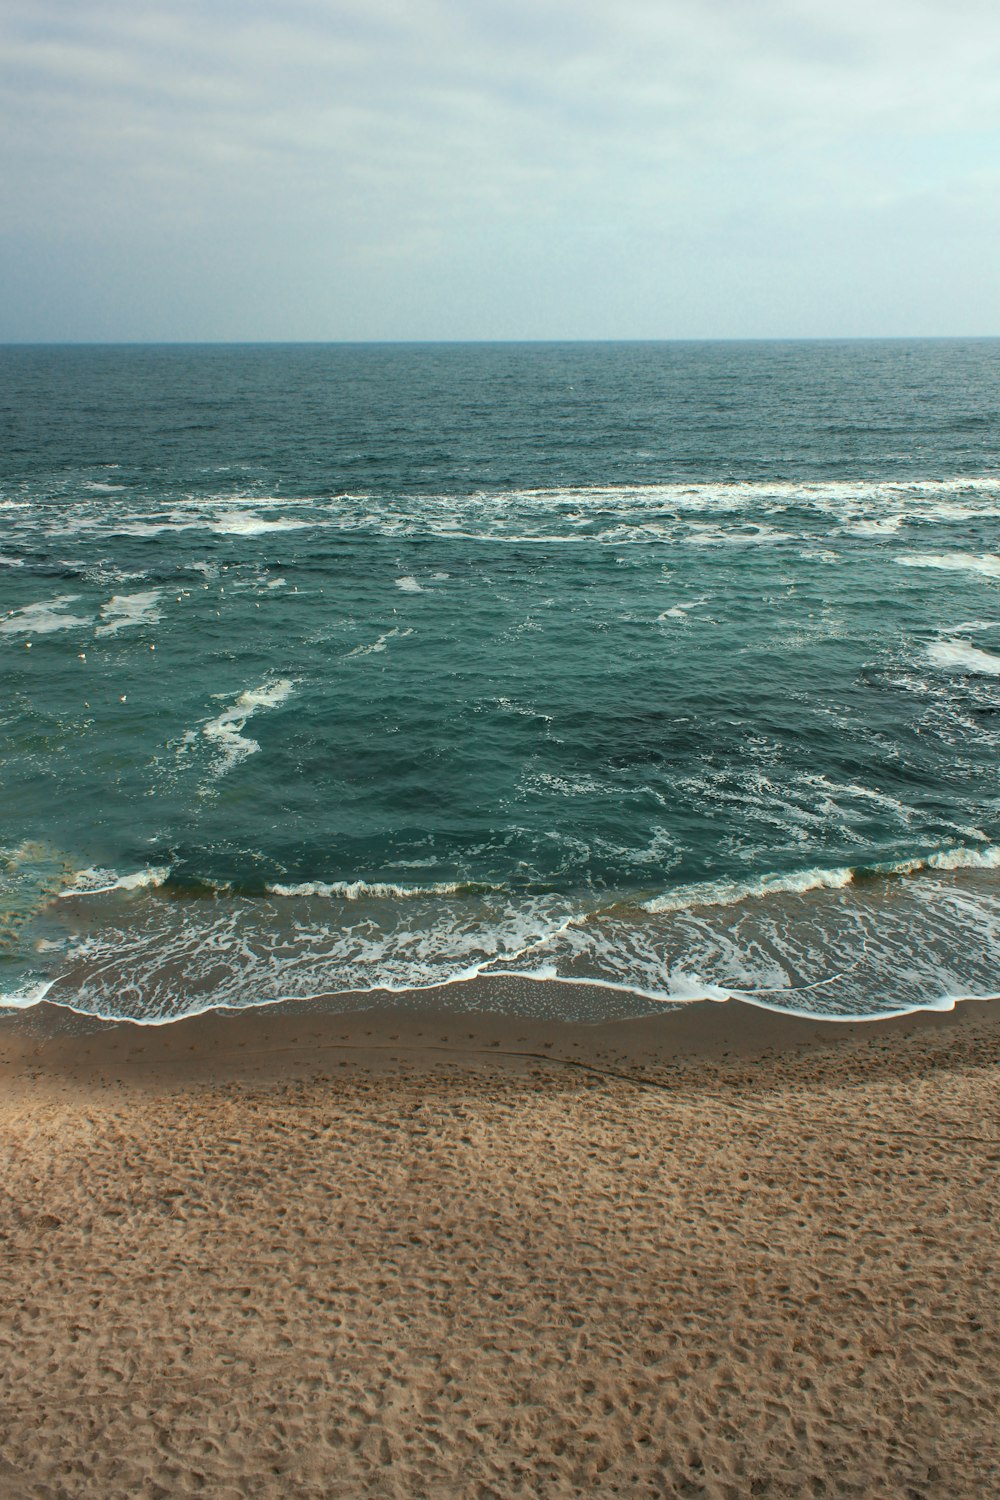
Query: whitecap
x=409, y=585
x=381, y=643
x=225, y=731
x=43, y=618
x=125, y=610
x=884, y=526
x=986, y=563
x=961, y=656
x=680, y=611
x=246, y=523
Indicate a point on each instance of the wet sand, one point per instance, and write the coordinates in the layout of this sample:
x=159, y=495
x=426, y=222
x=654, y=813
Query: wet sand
x=715, y=1252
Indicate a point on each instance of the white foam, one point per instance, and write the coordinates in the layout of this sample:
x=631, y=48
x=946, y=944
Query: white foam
x=409, y=585
x=680, y=988
x=885, y=526
x=775, y=957
x=125, y=610
x=566, y=786
x=225, y=732
x=364, y=890
x=247, y=523
x=963, y=657
x=986, y=563
x=381, y=643
x=96, y=881
x=43, y=618
x=11, y=562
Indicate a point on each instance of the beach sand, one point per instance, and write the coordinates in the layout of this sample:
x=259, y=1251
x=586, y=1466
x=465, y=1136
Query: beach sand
x=715, y=1252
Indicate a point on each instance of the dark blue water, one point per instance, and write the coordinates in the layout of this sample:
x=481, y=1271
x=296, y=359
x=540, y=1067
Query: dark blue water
x=666, y=669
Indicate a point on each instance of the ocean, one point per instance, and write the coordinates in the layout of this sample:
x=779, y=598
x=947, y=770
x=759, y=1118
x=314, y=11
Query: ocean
x=638, y=673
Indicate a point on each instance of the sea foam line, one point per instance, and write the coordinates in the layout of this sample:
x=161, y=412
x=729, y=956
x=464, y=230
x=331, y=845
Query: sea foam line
x=692, y=992
x=26, y=996
x=363, y=890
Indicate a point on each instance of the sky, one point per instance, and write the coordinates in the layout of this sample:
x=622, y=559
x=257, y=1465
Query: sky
x=498, y=169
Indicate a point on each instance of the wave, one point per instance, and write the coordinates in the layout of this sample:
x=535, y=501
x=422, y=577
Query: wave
x=799, y=882
x=844, y=943
x=950, y=859
x=26, y=995
x=729, y=892
x=97, y=882
x=691, y=896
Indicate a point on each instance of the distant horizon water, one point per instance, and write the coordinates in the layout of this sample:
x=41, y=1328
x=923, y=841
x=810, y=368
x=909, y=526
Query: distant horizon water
x=500, y=343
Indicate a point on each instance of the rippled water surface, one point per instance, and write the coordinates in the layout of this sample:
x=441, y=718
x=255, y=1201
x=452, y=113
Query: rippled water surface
x=672, y=670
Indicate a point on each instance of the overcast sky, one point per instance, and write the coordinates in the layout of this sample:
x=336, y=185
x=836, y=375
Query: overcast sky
x=453, y=169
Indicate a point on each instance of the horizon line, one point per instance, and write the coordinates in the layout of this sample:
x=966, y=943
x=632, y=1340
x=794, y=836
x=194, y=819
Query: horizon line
x=184, y=343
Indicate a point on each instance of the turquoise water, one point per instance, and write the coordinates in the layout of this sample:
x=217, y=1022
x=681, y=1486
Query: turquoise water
x=672, y=670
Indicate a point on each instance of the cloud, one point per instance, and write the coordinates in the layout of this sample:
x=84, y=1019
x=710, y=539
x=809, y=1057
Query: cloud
x=326, y=163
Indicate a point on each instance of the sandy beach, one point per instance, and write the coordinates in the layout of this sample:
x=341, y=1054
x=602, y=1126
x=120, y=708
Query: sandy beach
x=713, y=1253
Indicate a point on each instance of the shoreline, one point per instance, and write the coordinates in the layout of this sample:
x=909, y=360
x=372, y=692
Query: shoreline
x=300, y=1038
x=713, y=1253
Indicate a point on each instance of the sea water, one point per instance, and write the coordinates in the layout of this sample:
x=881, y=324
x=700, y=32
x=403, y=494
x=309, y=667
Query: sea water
x=664, y=670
